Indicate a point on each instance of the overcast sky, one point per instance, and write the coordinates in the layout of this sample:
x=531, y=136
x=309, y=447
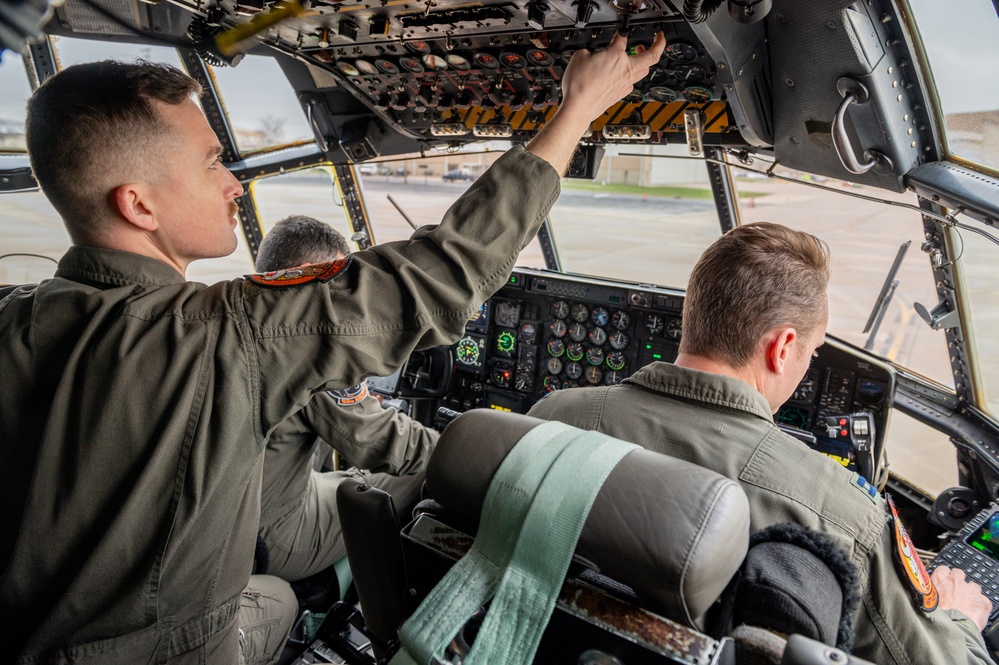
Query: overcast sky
x=963, y=47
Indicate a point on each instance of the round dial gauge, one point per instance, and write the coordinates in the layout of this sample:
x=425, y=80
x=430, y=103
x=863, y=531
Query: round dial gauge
x=634, y=97
x=556, y=347
x=528, y=333
x=697, y=94
x=593, y=375
x=366, y=68
x=674, y=328
x=621, y=320
x=573, y=370
x=618, y=340
x=660, y=93
x=575, y=352
x=681, y=51
x=558, y=328
x=512, y=60
x=467, y=351
x=505, y=341
x=580, y=313
x=560, y=309
x=577, y=332
x=654, y=323
x=693, y=75
x=600, y=316
x=458, y=62
x=567, y=55
x=538, y=58
x=551, y=384
x=486, y=61
x=615, y=360
x=434, y=62
x=522, y=383
x=595, y=356
x=554, y=365
x=613, y=378
x=502, y=373
x=386, y=66
x=598, y=336
x=418, y=47
x=411, y=65
x=347, y=68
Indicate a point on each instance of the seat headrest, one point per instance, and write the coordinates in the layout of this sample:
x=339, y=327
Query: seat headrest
x=674, y=532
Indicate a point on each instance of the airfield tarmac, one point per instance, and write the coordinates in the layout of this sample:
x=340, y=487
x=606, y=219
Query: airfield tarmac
x=629, y=237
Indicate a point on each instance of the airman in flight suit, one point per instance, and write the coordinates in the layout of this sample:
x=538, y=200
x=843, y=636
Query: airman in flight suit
x=135, y=405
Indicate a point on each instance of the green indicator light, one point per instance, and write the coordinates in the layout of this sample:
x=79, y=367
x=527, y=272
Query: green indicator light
x=513, y=279
x=979, y=546
x=614, y=298
x=657, y=356
x=648, y=346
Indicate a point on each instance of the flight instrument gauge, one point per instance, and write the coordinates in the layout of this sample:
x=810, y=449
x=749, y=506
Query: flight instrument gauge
x=366, y=68
x=573, y=370
x=580, y=313
x=593, y=375
x=681, y=51
x=434, y=62
x=554, y=366
x=654, y=323
x=698, y=94
x=615, y=360
x=595, y=355
x=505, y=341
x=558, y=328
x=458, y=62
x=528, y=333
x=507, y=314
x=468, y=352
x=556, y=347
x=575, y=352
x=577, y=332
x=613, y=378
x=621, y=320
x=560, y=309
x=600, y=316
x=551, y=384
x=502, y=373
x=674, y=329
x=598, y=336
x=417, y=47
x=618, y=340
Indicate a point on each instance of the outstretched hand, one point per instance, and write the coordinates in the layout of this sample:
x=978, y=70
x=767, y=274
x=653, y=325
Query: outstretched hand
x=957, y=593
x=594, y=81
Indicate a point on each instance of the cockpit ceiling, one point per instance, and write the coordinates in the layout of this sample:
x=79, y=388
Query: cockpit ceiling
x=398, y=76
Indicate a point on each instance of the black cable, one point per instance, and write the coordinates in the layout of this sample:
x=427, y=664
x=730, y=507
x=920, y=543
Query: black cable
x=37, y=256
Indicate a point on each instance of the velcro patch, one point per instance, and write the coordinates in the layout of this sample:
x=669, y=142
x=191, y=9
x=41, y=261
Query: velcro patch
x=911, y=566
x=349, y=396
x=868, y=489
x=317, y=272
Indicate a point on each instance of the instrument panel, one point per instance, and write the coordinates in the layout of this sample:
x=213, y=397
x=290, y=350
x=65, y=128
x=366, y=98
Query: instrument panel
x=547, y=331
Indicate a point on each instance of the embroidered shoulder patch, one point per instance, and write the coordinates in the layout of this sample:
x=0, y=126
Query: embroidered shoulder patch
x=349, y=396
x=911, y=566
x=869, y=490
x=317, y=272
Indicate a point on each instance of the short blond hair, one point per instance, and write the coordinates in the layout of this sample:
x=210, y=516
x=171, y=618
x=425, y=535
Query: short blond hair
x=753, y=279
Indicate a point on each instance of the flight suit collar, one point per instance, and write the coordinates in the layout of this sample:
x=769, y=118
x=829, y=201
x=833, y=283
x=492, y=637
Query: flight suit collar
x=705, y=387
x=97, y=265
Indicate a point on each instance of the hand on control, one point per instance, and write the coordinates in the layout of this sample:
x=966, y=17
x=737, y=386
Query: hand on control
x=595, y=81
x=957, y=593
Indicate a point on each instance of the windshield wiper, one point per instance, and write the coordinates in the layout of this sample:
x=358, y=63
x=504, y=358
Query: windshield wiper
x=884, y=298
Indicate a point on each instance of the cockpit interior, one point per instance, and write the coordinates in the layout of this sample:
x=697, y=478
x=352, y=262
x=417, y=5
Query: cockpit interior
x=852, y=99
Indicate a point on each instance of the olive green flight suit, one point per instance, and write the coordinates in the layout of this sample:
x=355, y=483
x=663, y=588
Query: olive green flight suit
x=723, y=424
x=134, y=409
x=299, y=521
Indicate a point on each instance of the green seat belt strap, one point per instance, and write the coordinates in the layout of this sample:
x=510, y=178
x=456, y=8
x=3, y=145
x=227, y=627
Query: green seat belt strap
x=531, y=520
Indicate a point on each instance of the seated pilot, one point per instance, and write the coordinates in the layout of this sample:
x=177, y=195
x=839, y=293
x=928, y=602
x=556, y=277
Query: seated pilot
x=755, y=311
x=298, y=513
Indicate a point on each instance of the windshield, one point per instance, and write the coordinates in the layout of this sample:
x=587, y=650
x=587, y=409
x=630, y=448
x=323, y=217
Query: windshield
x=959, y=38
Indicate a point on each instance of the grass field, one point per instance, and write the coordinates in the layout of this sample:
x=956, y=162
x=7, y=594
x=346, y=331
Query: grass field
x=665, y=192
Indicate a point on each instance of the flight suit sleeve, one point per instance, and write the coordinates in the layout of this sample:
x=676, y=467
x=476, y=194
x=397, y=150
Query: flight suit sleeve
x=397, y=297
x=891, y=626
x=371, y=436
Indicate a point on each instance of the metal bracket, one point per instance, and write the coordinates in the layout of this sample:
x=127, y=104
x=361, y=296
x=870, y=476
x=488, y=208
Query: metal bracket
x=943, y=316
x=693, y=121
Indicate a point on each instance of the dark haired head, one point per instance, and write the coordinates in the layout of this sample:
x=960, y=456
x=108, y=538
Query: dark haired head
x=95, y=126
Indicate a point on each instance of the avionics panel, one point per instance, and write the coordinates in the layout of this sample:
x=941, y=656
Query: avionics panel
x=547, y=331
